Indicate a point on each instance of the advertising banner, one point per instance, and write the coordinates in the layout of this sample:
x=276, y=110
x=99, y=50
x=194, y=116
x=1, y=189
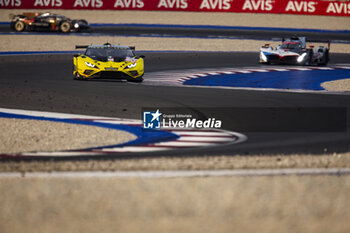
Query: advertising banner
x=332, y=8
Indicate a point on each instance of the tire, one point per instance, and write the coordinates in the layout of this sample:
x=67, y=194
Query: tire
x=323, y=61
x=308, y=61
x=19, y=26
x=326, y=58
x=65, y=27
x=79, y=79
x=75, y=77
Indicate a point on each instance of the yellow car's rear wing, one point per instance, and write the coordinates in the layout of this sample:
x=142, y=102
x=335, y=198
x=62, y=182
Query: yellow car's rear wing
x=86, y=46
x=81, y=46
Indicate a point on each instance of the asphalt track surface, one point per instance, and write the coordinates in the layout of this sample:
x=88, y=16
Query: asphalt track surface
x=205, y=31
x=44, y=83
x=219, y=32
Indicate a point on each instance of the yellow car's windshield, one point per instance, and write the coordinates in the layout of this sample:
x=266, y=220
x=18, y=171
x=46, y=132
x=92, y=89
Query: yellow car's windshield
x=112, y=53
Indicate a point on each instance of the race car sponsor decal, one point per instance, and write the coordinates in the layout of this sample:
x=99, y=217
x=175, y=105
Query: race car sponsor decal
x=130, y=59
x=148, y=140
x=312, y=7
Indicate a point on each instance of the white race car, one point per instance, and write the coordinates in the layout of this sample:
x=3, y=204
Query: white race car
x=294, y=51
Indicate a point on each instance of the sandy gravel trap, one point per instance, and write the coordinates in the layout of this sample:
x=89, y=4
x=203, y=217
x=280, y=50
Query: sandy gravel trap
x=32, y=135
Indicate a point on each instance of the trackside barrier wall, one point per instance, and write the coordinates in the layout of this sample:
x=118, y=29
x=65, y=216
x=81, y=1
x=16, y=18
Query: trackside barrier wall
x=307, y=7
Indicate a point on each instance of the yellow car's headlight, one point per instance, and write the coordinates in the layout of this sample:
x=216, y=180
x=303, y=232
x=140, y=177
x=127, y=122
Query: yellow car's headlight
x=131, y=65
x=90, y=65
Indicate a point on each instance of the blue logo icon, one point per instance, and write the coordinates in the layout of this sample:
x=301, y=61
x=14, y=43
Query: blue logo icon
x=151, y=120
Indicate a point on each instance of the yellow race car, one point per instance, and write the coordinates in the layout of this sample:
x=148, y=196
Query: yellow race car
x=108, y=61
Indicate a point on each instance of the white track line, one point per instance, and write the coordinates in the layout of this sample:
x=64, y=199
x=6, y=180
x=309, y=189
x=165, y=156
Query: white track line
x=60, y=154
x=256, y=70
x=134, y=149
x=301, y=69
x=132, y=122
x=321, y=68
x=275, y=69
x=205, y=139
x=180, y=174
x=246, y=71
x=185, y=144
x=66, y=115
x=345, y=67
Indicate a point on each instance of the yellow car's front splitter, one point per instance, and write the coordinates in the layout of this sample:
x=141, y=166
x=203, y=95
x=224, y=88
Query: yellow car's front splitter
x=110, y=74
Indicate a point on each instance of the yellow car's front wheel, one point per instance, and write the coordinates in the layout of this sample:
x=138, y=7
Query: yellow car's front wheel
x=76, y=76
